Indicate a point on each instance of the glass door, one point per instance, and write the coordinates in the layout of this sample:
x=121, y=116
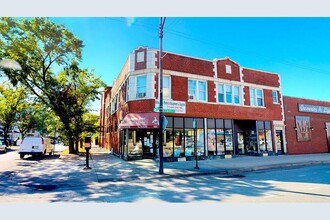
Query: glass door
x=279, y=142
x=240, y=141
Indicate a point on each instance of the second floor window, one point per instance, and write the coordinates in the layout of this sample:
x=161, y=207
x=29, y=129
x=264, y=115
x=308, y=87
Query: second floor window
x=167, y=87
x=229, y=94
x=197, y=90
x=275, y=97
x=141, y=86
x=256, y=97
x=127, y=90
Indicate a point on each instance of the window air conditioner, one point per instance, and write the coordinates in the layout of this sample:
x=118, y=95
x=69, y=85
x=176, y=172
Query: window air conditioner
x=141, y=95
x=191, y=97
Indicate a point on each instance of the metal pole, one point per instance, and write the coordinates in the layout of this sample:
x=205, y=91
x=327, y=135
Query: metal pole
x=160, y=144
x=195, y=142
x=87, y=159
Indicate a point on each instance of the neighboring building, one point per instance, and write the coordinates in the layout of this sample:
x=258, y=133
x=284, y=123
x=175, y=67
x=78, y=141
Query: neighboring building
x=307, y=125
x=104, y=138
x=238, y=110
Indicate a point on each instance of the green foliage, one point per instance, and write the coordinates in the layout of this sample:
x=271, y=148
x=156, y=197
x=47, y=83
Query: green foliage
x=43, y=47
x=11, y=102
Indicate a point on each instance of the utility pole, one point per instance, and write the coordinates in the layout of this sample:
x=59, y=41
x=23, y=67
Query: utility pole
x=160, y=144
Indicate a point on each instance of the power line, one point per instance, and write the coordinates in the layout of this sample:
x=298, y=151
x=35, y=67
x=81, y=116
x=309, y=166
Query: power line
x=167, y=30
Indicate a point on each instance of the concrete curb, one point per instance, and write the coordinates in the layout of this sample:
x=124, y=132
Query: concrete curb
x=228, y=172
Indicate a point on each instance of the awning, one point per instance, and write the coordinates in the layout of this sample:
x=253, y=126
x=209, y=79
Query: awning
x=140, y=120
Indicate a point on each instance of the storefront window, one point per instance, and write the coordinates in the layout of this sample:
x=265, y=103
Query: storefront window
x=229, y=141
x=189, y=142
x=211, y=142
x=200, y=142
x=134, y=144
x=262, y=142
x=168, y=146
x=269, y=140
x=178, y=143
x=220, y=137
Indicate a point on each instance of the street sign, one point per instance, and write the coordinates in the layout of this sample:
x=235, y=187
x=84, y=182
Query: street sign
x=165, y=122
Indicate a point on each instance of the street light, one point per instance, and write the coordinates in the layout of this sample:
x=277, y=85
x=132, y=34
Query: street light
x=160, y=144
x=10, y=64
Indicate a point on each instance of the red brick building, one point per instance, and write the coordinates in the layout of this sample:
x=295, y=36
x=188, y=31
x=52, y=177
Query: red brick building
x=235, y=110
x=307, y=125
x=104, y=138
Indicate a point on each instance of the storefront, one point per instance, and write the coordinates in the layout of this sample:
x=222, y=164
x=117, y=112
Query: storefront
x=184, y=137
x=214, y=109
x=138, y=136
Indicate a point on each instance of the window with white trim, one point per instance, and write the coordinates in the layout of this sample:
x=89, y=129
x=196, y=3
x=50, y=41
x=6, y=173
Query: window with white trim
x=256, y=97
x=141, y=86
x=201, y=91
x=237, y=95
x=166, y=87
x=221, y=95
x=275, y=97
x=228, y=69
x=197, y=90
x=113, y=106
x=229, y=94
x=140, y=57
x=127, y=89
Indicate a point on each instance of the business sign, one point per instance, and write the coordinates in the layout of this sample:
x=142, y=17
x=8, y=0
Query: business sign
x=314, y=109
x=170, y=106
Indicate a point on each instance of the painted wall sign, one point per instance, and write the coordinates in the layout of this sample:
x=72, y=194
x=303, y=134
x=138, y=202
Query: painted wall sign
x=314, y=109
x=171, y=106
x=303, y=128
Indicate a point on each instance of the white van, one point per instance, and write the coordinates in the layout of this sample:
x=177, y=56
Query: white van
x=35, y=146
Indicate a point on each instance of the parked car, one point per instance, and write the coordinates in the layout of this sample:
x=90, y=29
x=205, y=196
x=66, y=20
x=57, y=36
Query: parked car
x=35, y=146
x=3, y=147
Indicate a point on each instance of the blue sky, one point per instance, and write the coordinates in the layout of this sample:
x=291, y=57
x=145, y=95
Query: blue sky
x=295, y=47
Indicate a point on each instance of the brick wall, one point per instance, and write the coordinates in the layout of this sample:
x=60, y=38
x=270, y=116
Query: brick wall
x=318, y=143
x=143, y=64
x=185, y=64
x=221, y=70
x=260, y=78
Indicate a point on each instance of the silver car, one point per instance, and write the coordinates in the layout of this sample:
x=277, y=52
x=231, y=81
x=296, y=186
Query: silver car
x=3, y=147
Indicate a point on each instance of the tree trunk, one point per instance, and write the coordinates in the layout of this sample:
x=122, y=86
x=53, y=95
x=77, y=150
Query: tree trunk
x=76, y=146
x=71, y=146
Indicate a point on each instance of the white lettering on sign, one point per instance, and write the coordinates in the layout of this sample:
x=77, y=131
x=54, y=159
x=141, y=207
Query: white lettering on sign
x=313, y=109
x=171, y=106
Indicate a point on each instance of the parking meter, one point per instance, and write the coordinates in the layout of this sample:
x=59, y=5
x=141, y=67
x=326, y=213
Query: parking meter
x=88, y=145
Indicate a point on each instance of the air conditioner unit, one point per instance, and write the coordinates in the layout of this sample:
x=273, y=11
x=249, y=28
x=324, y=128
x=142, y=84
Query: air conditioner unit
x=141, y=95
x=192, y=97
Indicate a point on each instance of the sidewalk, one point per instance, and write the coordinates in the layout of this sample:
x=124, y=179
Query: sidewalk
x=108, y=167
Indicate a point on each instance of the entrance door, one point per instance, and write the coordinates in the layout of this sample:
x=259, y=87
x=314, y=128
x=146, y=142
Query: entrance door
x=279, y=142
x=147, y=138
x=240, y=143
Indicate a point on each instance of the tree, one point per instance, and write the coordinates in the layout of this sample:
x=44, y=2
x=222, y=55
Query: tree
x=40, y=46
x=10, y=104
x=82, y=88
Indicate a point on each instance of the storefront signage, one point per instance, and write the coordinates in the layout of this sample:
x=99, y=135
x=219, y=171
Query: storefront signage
x=313, y=109
x=171, y=106
x=140, y=120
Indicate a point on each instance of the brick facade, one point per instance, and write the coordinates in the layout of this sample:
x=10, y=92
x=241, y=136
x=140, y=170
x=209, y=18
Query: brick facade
x=182, y=68
x=318, y=141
